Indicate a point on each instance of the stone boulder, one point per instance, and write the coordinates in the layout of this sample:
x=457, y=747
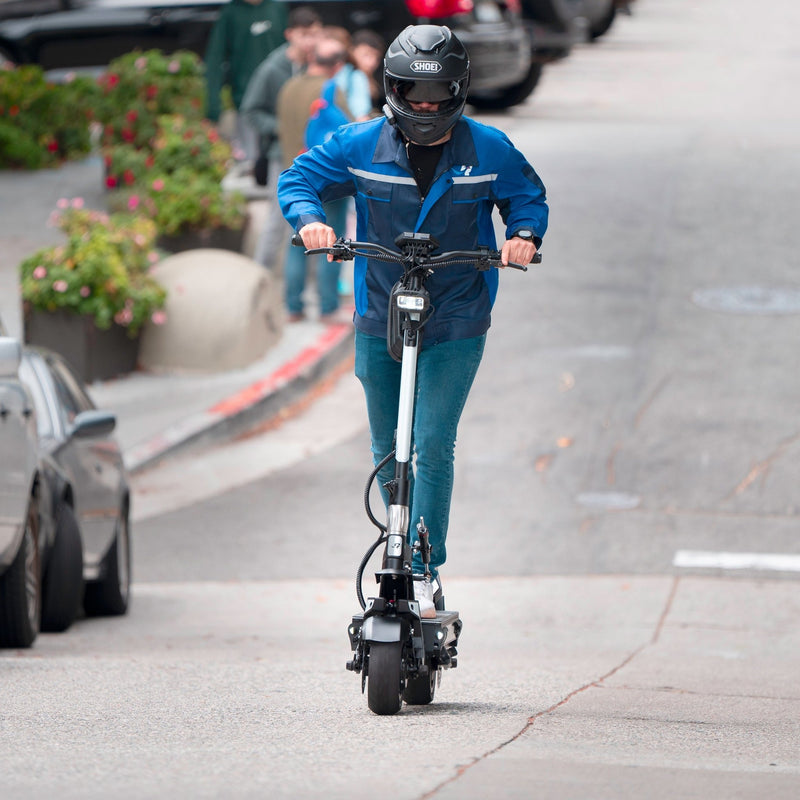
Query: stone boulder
x=224, y=311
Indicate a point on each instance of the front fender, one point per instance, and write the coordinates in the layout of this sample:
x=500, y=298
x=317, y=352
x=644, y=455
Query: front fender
x=383, y=629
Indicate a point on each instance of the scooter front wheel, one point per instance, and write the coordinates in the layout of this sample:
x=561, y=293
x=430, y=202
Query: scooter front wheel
x=384, y=681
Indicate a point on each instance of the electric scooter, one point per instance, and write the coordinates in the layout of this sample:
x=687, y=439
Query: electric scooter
x=399, y=654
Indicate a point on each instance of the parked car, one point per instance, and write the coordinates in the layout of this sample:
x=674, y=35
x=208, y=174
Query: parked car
x=85, y=496
x=20, y=537
x=66, y=34
x=556, y=25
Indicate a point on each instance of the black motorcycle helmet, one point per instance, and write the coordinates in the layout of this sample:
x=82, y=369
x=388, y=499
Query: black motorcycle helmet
x=426, y=63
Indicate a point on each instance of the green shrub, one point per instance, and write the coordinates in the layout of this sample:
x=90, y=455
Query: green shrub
x=43, y=123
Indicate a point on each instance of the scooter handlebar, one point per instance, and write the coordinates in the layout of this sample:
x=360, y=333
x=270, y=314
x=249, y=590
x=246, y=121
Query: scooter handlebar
x=347, y=249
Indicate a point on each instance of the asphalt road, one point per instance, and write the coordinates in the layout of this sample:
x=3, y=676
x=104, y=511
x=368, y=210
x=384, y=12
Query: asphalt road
x=630, y=444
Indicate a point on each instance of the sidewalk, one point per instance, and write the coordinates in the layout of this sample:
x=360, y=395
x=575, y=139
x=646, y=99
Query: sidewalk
x=158, y=414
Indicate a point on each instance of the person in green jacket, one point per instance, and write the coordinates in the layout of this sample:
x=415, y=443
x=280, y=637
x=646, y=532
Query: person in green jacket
x=245, y=33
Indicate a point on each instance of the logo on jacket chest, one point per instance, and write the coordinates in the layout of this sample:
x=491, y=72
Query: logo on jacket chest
x=262, y=26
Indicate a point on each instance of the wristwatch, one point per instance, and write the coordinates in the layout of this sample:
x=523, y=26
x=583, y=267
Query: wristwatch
x=524, y=233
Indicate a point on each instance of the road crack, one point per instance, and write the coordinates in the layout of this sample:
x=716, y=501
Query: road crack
x=761, y=468
x=597, y=683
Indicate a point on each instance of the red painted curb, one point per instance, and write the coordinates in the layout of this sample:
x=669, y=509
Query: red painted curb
x=194, y=425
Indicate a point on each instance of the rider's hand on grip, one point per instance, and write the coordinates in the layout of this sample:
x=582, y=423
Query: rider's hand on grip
x=517, y=251
x=316, y=235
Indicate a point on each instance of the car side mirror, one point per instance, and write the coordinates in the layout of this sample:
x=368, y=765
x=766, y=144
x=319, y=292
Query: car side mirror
x=89, y=424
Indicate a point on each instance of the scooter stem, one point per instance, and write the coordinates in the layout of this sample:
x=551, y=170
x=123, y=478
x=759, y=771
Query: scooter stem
x=398, y=516
x=405, y=411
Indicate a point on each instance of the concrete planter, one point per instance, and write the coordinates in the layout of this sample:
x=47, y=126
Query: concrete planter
x=216, y=238
x=94, y=353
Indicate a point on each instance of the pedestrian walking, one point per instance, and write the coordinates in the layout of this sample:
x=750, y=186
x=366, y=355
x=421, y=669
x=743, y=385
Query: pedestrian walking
x=310, y=107
x=259, y=110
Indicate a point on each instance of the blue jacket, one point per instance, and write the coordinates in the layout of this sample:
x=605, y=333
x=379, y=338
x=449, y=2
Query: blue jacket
x=479, y=170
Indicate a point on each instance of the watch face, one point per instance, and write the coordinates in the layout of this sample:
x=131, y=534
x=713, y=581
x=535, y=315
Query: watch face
x=524, y=233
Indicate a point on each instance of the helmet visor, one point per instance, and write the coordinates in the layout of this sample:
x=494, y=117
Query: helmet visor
x=428, y=91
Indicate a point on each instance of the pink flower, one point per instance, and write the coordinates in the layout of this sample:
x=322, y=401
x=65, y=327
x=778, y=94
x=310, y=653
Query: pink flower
x=140, y=63
x=174, y=66
x=152, y=257
x=158, y=317
x=39, y=273
x=77, y=202
x=85, y=291
x=158, y=184
x=133, y=202
x=123, y=317
x=60, y=286
x=62, y=203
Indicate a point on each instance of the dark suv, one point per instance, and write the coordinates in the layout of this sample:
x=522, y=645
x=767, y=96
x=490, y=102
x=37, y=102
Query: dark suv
x=66, y=34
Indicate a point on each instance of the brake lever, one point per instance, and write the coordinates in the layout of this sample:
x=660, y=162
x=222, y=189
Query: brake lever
x=340, y=251
x=537, y=259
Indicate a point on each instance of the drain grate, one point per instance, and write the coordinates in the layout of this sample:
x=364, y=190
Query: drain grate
x=749, y=300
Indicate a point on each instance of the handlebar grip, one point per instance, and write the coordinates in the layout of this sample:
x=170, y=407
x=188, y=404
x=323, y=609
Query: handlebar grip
x=297, y=240
x=537, y=258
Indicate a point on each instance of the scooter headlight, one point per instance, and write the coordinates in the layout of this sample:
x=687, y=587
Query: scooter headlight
x=411, y=302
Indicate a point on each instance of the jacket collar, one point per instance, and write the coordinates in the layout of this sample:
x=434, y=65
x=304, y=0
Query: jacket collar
x=460, y=149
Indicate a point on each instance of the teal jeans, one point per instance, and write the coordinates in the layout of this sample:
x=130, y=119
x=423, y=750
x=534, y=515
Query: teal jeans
x=445, y=373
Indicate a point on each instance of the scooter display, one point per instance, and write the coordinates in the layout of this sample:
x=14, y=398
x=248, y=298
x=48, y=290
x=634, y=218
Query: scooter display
x=399, y=654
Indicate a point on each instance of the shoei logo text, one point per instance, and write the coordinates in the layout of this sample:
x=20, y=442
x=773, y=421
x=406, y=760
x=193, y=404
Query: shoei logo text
x=426, y=66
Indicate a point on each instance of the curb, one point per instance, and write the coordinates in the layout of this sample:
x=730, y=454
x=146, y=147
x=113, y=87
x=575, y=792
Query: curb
x=251, y=406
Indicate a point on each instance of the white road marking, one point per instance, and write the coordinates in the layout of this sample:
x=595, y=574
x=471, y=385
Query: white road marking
x=779, y=562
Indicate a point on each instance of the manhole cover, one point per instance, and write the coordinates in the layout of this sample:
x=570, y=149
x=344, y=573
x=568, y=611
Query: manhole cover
x=609, y=501
x=749, y=300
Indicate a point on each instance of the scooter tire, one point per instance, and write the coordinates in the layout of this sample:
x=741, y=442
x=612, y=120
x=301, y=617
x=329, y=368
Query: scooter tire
x=420, y=689
x=384, y=682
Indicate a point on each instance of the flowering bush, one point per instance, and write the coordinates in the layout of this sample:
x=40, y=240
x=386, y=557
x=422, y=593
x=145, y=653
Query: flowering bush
x=177, y=182
x=186, y=199
x=103, y=270
x=177, y=142
x=43, y=123
x=139, y=87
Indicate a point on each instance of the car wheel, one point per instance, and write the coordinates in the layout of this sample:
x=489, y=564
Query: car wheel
x=21, y=588
x=600, y=26
x=110, y=596
x=512, y=96
x=62, y=587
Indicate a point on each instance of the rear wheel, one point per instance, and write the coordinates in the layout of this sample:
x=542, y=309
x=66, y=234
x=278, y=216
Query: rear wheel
x=384, y=685
x=62, y=588
x=21, y=588
x=420, y=689
x=110, y=596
